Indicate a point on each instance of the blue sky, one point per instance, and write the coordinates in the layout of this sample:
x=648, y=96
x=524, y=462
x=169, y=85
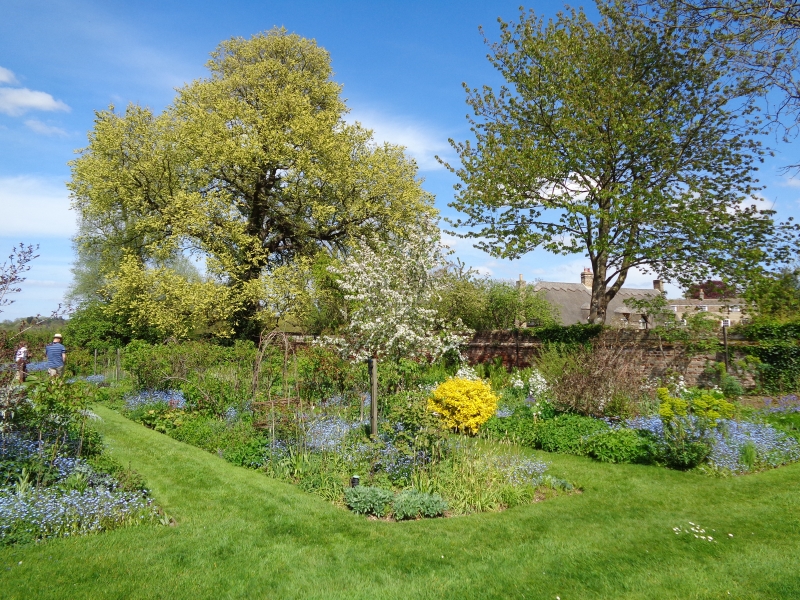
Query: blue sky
x=401, y=63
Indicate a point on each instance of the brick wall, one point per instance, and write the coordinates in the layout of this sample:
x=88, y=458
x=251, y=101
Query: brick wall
x=654, y=359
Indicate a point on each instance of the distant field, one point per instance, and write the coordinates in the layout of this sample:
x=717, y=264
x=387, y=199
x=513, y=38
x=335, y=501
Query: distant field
x=241, y=535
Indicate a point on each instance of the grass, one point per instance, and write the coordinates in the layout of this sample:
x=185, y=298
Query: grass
x=241, y=534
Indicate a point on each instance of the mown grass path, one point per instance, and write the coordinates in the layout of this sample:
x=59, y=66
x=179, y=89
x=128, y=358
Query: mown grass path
x=242, y=535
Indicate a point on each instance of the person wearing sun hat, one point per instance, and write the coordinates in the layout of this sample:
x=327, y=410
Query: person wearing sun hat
x=56, y=356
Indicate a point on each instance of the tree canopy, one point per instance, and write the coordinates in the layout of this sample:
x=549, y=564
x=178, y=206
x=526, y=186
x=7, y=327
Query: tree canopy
x=760, y=41
x=248, y=169
x=615, y=141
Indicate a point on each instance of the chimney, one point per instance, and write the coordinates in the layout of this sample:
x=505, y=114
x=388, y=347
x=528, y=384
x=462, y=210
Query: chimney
x=521, y=282
x=702, y=294
x=586, y=278
x=658, y=285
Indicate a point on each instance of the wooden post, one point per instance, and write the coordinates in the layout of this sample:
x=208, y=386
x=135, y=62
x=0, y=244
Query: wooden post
x=725, y=344
x=95, y=362
x=373, y=395
x=117, y=369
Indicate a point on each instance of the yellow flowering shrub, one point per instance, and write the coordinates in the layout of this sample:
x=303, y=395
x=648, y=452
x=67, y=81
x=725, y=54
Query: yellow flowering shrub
x=462, y=404
x=671, y=407
x=708, y=406
x=705, y=405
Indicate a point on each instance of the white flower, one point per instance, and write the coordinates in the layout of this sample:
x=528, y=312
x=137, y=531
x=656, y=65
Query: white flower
x=390, y=284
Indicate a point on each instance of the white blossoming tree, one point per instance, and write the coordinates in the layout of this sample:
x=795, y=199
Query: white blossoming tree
x=390, y=287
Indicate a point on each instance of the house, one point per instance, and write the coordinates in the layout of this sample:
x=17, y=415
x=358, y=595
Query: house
x=573, y=301
x=729, y=311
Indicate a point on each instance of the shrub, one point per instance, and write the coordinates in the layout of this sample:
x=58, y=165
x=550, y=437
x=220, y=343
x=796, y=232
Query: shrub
x=251, y=453
x=566, y=433
x=411, y=504
x=323, y=374
x=601, y=380
x=212, y=394
x=710, y=406
x=519, y=428
x=410, y=425
x=622, y=446
x=366, y=500
x=686, y=437
x=463, y=405
x=169, y=366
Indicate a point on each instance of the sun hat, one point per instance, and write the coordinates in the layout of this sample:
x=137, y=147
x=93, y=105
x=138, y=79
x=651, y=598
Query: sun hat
x=57, y=335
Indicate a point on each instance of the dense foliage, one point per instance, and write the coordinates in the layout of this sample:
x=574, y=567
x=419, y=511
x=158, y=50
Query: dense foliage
x=484, y=304
x=256, y=170
x=547, y=170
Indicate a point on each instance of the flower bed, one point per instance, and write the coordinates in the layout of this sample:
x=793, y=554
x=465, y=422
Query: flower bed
x=320, y=448
x=47, y=513
x=732, y=446
x=55, y=479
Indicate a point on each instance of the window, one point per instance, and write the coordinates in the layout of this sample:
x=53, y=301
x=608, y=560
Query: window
x=736, y=308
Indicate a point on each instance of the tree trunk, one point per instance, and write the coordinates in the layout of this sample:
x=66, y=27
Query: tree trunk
x=599, y=301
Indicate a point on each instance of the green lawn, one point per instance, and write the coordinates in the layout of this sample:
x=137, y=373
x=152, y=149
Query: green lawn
x=241, y=535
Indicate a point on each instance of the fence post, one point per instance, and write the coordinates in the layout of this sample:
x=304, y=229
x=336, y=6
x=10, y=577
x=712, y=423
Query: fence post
x=94, y=372
x=373, y=384
x=116, y=370
x=725, y=344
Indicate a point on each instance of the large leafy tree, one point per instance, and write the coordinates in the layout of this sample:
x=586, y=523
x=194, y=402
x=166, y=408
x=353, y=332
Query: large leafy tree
x=251, y=168
x=760, y=40
x=613, y=141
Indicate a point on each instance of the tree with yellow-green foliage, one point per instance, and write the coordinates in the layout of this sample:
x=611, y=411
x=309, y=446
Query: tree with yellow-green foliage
x=251, y=169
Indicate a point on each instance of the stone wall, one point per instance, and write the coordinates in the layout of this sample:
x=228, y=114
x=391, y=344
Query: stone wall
x=655, y=359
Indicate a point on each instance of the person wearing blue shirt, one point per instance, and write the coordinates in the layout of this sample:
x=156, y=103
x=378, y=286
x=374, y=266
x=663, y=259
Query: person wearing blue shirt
x=56, y=355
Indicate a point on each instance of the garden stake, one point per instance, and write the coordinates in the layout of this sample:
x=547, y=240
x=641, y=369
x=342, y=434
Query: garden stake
x=373, y=386
x=725, y=343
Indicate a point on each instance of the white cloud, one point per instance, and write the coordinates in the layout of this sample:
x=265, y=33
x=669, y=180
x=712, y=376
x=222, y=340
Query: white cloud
x=34, y=208
x=451, y=241
x=44, y=128
x=422, y=142
x=7, y=76
x=17, y=101
x=793, y=182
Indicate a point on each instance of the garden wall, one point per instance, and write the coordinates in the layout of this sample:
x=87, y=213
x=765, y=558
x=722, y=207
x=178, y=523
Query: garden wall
x=655, y=359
